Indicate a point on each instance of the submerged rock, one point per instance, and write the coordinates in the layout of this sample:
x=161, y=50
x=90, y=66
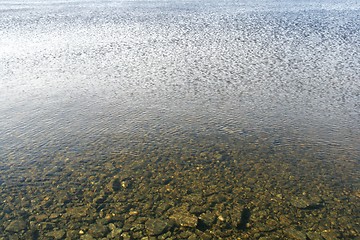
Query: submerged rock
x=306, y=203
x=16, y=226
x=185, y=219
x=58, y=234
x=295, y=234
x=156, y=226
x=314, y=236
x=98, y=230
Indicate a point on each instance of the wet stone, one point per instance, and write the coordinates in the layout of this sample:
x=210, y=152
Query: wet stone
x=207, y=218
x=114, y=185
x=126, y=236
x=58, y=234
x=86, y=237
x=163, y=207
x=185, y=219
x=314, y=236
x=305, y=203
x=98, y=230
x=330, y=235
x=156, y=226
x=41, y=217
x=295, y=234
x=77, y=212
x=16, y=226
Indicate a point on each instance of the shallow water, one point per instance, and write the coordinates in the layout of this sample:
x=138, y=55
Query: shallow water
x=241, y=119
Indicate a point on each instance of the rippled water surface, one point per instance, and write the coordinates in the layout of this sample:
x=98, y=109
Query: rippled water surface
x=179, y=119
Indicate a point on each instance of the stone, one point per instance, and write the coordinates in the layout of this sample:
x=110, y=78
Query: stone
x=185, y=219
x=314, y=236
x=330, y=235
x=207, y=218
x=41, y=217
x=126, y=236
x=295, y=234
x=306, y=203
x=86, y=237
x=16, y=226
x=156, y=226
x=77, y=212
x=114, y=185
x=98, y=230
x=57, y=234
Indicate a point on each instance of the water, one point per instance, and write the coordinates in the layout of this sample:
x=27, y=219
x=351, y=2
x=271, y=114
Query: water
x=246, y=111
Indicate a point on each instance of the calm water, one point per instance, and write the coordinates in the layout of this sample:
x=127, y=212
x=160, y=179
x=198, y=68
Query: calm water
x=262, y=94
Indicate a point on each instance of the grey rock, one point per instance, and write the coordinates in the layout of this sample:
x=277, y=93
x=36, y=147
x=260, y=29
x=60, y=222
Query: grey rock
x=16, y=226
x=156, y=226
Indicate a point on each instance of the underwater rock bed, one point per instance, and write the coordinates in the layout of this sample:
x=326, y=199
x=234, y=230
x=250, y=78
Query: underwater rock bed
x=211, y=188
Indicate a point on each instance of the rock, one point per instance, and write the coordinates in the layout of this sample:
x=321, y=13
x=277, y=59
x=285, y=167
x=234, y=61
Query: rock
x=126, y=236
x=115, y=233
x=295, y=234
x=330, y=235
x=98, y=230
x=58, y=234
x=185, y=219
x=193, y=237
x=77, y=212
x=114, y=185
x=163, y=207
x=156, y=226
x=306, y=203
x=86, y=237
x=16, y=226
x=314, y=236
x=41, y=217
x=208, y=218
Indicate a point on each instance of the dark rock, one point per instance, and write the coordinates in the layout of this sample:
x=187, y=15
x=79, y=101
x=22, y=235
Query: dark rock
x=114, y=185
x=330, y=235
x=16, y=226
x=98, y=230
x=207, y=218
x=156, y=226
x=163, y=207
x=314, y=236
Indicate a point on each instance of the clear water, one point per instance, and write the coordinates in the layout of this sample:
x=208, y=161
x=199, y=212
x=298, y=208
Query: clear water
x=262, y=83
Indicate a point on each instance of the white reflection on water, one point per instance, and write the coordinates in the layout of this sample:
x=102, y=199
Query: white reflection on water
x=74, y=70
